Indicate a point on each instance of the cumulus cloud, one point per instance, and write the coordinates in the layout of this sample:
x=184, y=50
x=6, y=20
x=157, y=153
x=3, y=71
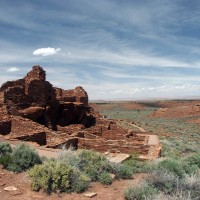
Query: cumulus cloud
x=13, y=69
x=49, y=51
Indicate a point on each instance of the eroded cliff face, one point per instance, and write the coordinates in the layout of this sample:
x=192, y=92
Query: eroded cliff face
x=35, y=98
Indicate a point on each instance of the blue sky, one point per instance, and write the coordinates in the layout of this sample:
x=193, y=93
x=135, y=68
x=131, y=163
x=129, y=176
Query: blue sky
x=115, y=49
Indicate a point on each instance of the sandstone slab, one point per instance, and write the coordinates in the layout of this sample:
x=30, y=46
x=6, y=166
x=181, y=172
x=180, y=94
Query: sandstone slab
x=90, y=194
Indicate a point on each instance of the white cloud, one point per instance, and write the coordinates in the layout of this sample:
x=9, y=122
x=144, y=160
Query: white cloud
x=49, y=51
x=13, y=69
x=124, y=91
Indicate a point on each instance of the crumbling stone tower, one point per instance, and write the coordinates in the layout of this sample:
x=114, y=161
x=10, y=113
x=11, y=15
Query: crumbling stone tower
x=35, y=98
x=35, y=85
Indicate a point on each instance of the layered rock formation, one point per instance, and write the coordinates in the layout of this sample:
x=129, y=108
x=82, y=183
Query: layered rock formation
x=31, y=109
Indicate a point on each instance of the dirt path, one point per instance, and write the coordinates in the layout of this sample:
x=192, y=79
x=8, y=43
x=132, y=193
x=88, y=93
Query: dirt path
x=125, y=124
x=140, y=128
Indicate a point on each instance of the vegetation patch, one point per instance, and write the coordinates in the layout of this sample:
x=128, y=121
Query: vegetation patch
x=57, y=176
x=74, y=170
x=143, y=192
x=5, y=148
x=19, y=159
x=170, y=179
x=105, y=178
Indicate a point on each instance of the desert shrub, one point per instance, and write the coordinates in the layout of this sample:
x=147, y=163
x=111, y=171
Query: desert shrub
x=189, y=168
x=138, y=166
x=57, y=176
x=172, y=166
x=124, y=172
x=179, y=195
x=169, y=151
x=105, y=178
x=121, y=170
x=23, y=158
x=193, y=160
x=169, y=187
x=143, y=192
x=164, y=181
x=70, y=157
x=5, y=154
x=6, y=160
x=89, y=162
x=5, y=148
x=135, y=165
x=187, y=189
x=191, y=184
x=92, y=163
x=172, y=186
x=79, y=181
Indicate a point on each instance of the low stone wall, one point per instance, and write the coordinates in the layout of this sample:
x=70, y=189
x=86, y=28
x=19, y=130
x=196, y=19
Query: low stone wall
x=38, y=137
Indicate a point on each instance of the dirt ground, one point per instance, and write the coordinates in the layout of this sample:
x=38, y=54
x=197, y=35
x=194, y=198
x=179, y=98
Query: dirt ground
x=23, y=192
x=176, y=109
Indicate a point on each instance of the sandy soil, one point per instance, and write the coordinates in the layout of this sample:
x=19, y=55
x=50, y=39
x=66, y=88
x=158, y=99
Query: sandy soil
x=174, y=109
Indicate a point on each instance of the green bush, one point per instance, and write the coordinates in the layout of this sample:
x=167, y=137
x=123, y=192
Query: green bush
x=191, y=184
x=121, y=170
x=124, y=172
x=179, y=195
x=189, y=168
x=23, y=158
x=70, y=157
x=105, y=178
x=92, y=163
x=6, y=160
x=164, y=181
x=139, y=166
x=5, y=148
x=57, y=176
x=172, y=166
x=193, y=160
x=142, y=192
x=136, y=166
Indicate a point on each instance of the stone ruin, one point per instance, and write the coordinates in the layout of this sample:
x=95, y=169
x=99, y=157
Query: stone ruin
x=31, y=109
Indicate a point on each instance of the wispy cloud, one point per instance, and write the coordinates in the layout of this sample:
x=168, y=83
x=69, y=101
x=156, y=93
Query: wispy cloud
x=49, y=51
x=13, y=69
x=147, y=46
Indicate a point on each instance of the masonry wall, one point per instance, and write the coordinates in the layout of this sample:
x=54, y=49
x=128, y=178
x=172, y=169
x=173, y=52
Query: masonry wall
x=5, y=127
x=6, y=85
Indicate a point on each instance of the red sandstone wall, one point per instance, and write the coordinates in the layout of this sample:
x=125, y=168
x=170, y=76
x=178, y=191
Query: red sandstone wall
x=15, y=94
x=76, y=95
x=20, y=83
x=5, y=127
